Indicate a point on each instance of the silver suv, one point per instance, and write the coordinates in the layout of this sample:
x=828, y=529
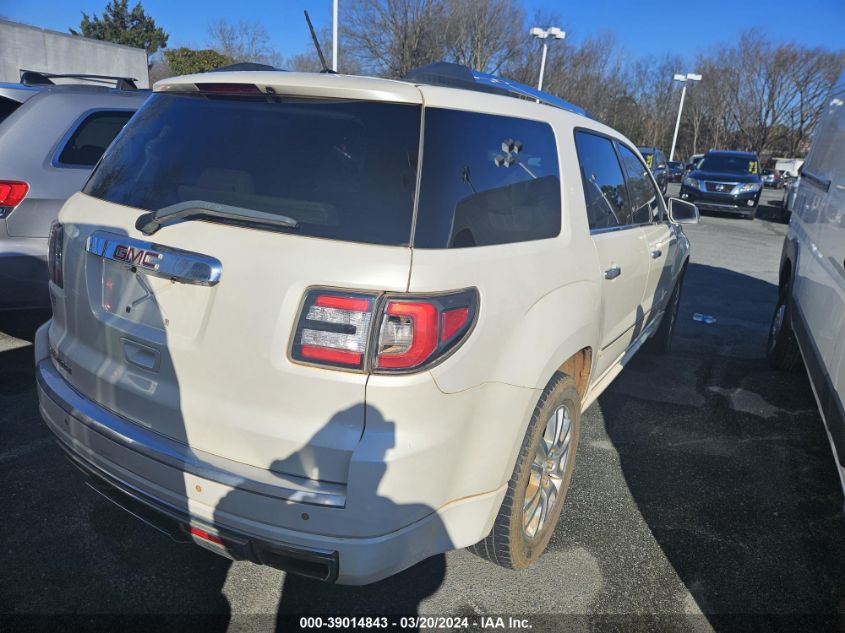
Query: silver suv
x=51, y=136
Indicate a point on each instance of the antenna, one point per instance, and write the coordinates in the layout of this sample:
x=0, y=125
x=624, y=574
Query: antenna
x=326, y=69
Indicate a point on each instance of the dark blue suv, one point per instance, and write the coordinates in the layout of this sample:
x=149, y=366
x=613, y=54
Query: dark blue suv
x=725, y=181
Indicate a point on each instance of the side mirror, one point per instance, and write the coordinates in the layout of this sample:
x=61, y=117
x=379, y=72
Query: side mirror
x=661, y=166
x=682, y=212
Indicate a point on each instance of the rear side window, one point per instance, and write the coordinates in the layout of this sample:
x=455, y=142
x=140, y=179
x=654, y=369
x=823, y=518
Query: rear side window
x=91, y=137
x=645, y=203
x=343, y=169
x=604, y=184
x=7, y=106
x=486, y=180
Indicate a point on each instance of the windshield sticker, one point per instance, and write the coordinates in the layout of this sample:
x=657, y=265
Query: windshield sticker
x=752, y=167
x=649, y=160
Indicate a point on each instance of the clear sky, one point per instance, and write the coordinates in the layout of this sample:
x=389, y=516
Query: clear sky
x=642, y=27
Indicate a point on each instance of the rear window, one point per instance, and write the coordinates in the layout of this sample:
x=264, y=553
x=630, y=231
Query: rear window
x=92, y=136
x=7, y=106
x=729, y=164
x=344, y=170
x=486, y=180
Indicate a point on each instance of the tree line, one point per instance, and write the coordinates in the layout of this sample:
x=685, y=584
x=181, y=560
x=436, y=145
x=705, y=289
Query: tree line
x=755, y=94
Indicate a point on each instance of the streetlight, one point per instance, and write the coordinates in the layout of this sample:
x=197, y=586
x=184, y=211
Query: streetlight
x=683, y=79
x=545, y=34
x=334, y=35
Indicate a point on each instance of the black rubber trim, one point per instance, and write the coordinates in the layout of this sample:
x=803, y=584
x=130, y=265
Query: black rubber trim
x=318, y=564
x=818, y=181
x=829, y=402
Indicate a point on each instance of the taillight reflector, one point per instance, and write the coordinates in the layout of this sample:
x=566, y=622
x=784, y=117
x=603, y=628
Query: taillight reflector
x=206, y=536
x=451, y=321
x=343, y=303
x=332, y=355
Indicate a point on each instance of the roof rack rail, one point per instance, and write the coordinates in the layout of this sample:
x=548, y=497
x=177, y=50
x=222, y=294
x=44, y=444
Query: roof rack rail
x=41, y=78
x=457, y=76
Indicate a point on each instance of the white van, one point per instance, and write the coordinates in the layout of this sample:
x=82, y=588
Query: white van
x=809, y=320
x=339, y=324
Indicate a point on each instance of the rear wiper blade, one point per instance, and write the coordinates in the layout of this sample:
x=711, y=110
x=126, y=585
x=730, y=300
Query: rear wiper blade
x=151, y=222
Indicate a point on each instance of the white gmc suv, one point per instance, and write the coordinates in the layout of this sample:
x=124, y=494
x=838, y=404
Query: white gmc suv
x=339, y=324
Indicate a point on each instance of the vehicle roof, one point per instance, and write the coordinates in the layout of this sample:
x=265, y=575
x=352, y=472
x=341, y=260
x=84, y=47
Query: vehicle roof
x=22, y=92
x=648, y=147
x=730, y=152
x=302, y=84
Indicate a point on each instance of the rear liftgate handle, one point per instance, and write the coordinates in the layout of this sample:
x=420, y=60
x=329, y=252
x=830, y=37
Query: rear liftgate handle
x=612, y=273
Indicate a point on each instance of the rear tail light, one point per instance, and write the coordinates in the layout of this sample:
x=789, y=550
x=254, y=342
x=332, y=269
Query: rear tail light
x=416, y=331
x=54, y=253
x=333, y=328
x=383, y=334
x=12, y=192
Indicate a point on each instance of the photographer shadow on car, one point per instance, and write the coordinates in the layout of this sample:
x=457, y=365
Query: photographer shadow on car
x=399, y=594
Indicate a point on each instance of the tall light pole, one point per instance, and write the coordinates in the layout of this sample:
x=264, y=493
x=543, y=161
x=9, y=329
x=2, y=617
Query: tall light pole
x=545, y=34
x=334, y=35
x=683, y=79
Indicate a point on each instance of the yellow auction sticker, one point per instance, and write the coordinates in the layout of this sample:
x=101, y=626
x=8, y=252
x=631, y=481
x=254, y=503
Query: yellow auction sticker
x=649, y=160
x=752, y=167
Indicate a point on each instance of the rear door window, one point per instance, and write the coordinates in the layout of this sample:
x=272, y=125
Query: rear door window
x=486, y=180
x=91, y=138
x=645, y=198
x=343, y=170
x=604, y=183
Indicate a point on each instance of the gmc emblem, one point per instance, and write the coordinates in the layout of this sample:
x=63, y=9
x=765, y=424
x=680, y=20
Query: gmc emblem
x=137, y=256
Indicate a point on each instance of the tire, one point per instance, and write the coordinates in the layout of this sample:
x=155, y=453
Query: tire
x=661, y=340
x=513, y=542
x=751, y=214
x=781, y=347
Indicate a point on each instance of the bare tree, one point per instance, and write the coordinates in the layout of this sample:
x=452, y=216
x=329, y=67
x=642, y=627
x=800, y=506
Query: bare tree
x=755, y=94
x=392, y=37
x=242, y=41
x=811, y=75
x=484, y=34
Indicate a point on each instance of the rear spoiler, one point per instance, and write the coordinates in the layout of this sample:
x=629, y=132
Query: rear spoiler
x=41, y=78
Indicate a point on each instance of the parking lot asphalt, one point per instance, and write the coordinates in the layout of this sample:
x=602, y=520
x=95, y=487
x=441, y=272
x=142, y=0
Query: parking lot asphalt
x=704, y=497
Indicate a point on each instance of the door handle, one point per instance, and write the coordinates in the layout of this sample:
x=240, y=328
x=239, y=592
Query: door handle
x=612, y=273
x=656, y=253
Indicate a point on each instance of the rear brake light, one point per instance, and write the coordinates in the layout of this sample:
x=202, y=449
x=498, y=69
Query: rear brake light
x=55, y=250
x=12, y=192
x=229, y=88
x=335, y=328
